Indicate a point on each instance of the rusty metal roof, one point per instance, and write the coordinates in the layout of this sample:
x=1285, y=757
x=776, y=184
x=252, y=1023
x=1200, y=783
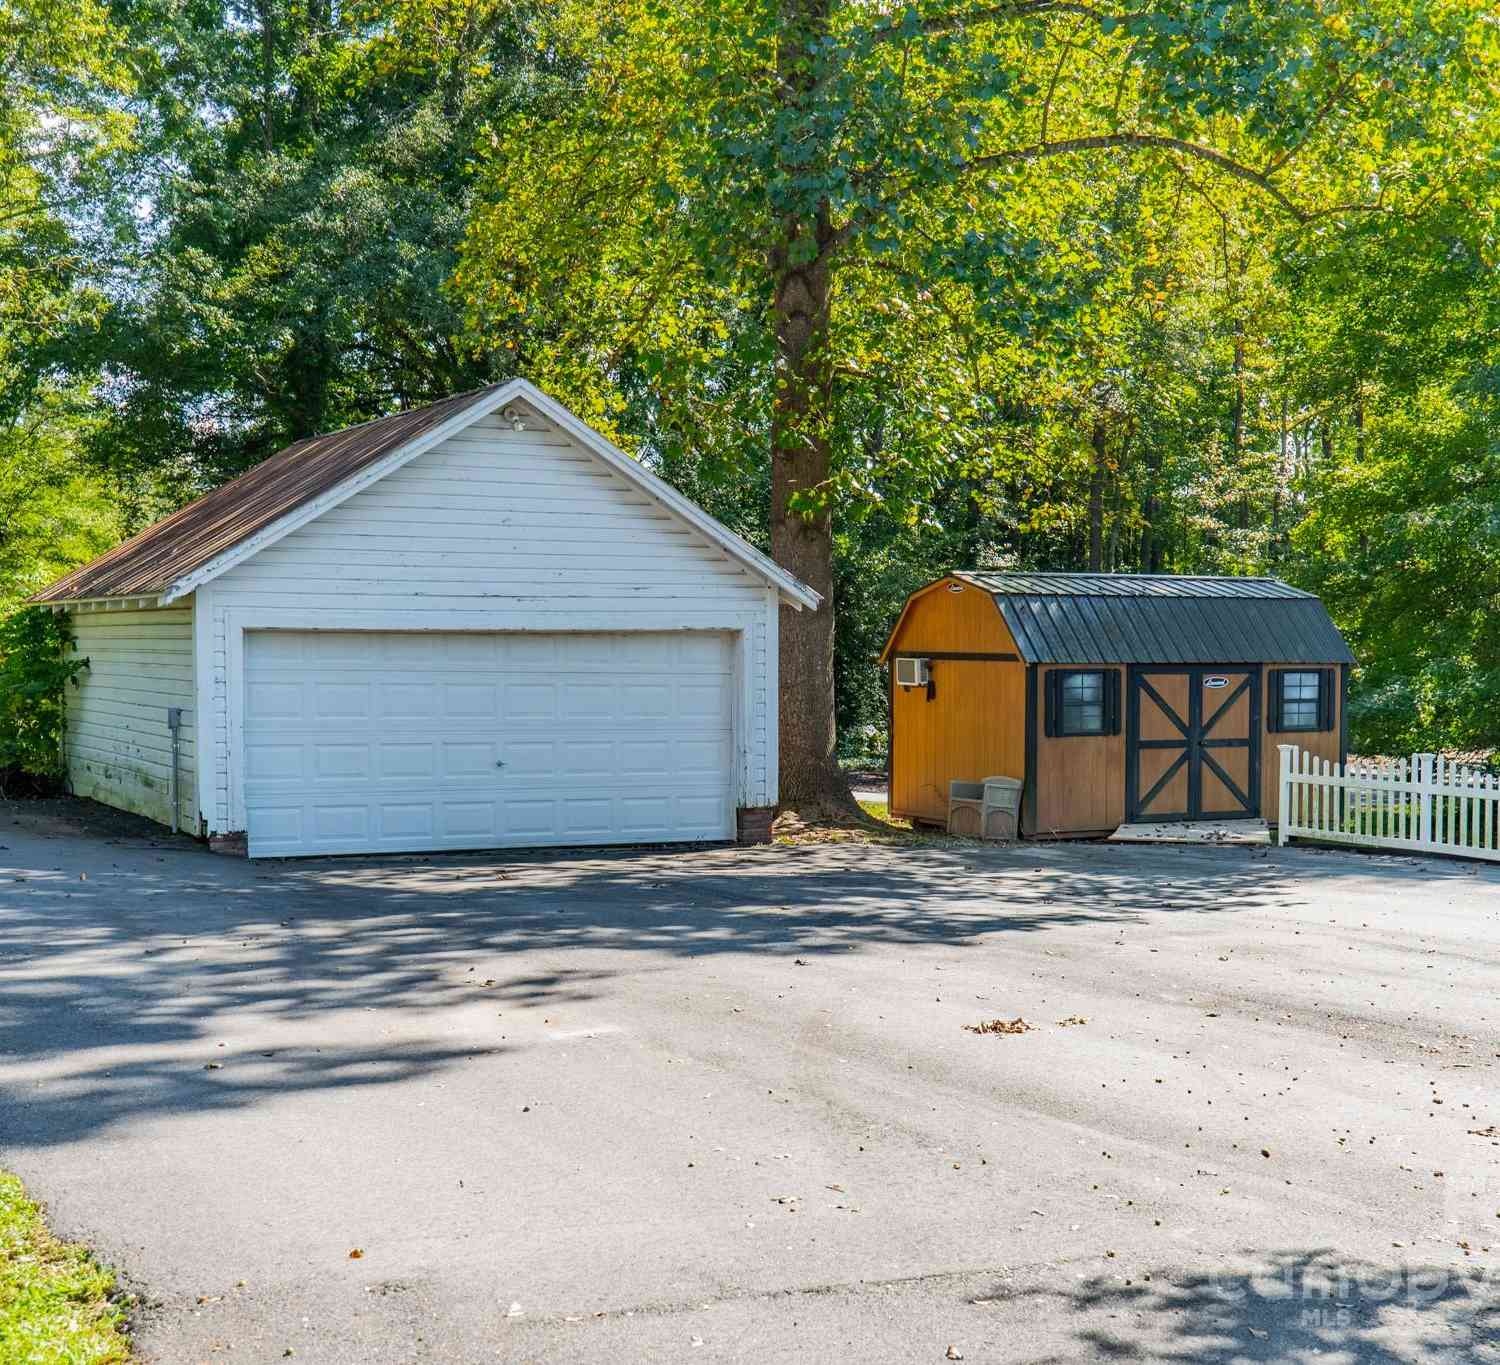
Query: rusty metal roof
x=1161, y=619
x=176, y=546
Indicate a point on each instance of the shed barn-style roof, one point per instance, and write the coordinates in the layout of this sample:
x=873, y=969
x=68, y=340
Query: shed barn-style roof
x=196, y=542
x=1159, y=619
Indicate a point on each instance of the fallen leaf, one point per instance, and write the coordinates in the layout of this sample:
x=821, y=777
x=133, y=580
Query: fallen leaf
x=357, y=1254
x=1016, y=1025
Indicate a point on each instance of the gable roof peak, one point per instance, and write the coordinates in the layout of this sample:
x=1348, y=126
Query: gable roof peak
x=207, y=537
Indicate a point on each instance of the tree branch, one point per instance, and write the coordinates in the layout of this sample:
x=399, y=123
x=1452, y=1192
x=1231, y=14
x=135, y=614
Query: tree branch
x=1104, y=141
x=990, y=14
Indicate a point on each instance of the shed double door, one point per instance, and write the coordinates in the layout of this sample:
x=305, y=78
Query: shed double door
x=1193, y=743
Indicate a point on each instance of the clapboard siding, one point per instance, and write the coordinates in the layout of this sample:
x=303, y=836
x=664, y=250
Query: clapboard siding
x=503, y=530
x=117, y=745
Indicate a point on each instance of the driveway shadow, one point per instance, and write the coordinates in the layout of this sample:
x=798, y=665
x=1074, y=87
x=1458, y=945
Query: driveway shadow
x=1289, y=1305
x=128, y=944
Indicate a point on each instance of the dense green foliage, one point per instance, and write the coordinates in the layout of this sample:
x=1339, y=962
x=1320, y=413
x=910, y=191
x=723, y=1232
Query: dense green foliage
x=1037, y=271
x=34, y=675
x=1200, y=287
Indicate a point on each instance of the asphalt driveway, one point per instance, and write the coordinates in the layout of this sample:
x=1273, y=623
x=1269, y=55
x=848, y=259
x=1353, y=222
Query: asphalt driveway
x=722, y=1105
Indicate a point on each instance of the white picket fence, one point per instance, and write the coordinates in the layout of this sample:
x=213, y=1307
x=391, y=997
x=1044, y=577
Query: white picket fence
x=1425, y=803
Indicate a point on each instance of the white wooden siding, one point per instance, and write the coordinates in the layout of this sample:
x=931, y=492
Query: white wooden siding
x=118, y=748
x=493, y=529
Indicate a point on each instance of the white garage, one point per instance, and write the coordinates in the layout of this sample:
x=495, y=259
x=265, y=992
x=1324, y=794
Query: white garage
x=473, y=625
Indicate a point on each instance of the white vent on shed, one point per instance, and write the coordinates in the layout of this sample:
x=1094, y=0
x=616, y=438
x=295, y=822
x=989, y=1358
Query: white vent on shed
x=912, y=672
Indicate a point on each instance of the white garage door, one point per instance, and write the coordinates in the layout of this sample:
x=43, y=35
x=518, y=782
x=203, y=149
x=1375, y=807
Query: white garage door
x=381, y=742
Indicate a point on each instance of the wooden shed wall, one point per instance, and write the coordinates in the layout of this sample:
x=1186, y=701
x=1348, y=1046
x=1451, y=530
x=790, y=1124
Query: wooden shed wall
x=952, y=617
x=1080, y=779
x=975, y=725
x=1322, y=743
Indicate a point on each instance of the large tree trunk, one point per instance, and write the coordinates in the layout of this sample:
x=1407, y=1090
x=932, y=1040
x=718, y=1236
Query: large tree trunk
x=802, y=532
x=1096, y=496
x=1237, y=435
x=267, y=75
x=802, y=536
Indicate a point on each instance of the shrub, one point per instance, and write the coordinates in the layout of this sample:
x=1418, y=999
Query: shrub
x=35, y=670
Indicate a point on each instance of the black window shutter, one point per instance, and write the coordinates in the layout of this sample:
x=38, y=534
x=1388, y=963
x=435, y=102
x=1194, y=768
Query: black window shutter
x=1274, y=683
x=1053, y=697
x=1325, y=699
x=1112, y=701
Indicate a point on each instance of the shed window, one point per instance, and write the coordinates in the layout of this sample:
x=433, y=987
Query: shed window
x=1302, y=699
x=1083, y=702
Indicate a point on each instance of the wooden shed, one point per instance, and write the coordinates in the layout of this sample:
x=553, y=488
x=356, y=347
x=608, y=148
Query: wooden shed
x=1115, y=697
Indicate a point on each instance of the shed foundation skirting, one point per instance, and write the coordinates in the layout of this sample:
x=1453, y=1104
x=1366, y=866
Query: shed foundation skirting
x=234, y=845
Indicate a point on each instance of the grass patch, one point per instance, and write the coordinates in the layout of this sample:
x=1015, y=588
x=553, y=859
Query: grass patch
x=58, y=1306
x=876, y=828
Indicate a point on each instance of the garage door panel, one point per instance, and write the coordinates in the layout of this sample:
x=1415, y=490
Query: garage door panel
x=704, y=699
x=281, y=825
x=446, y=651
x=585, y=818
x=469, y=758
x=642, y=758
x=339, y=822
x=469, y=820
x=404, y=820
x=274, y=763
x=529, y=818
x=470, y=701
x=339, y=762
x=591, y=652
x=341, y=701
x=275, y=701
x=405, y=700
x=530, y=701
x=274, y=648
x=699, y=812
x=410, y=760
x=587, y=701
x=596, y=759
x=646, y=700
x=359, y=741
x=640, y=815
x=699, y=757
x=697, y=651
x=337, y=648
x=530, y=651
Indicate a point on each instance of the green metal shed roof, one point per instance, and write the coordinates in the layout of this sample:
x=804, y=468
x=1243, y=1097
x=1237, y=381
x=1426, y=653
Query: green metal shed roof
x=1161, y=619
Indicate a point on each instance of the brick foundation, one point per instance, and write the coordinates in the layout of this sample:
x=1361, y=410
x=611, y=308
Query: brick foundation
x=752, y=824
x=234, y=845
